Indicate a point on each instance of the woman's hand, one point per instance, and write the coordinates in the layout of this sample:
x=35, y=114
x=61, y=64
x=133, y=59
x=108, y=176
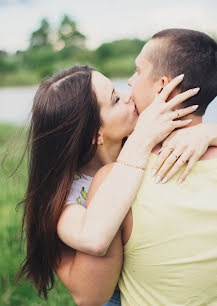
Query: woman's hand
x=159, y=119
x=181, y=147
x=155, y=123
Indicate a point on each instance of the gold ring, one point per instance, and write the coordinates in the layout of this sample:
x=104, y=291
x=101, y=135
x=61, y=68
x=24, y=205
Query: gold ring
x=183, y=161
x=178, y=115
x=175, y=155
x=170, y=148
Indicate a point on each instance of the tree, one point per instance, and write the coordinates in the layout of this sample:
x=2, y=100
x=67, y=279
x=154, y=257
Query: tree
x=68, y=33
x=40, y=38
x=120, y=48
x=7, y=62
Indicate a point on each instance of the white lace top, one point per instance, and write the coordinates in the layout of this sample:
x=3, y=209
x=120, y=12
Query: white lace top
x=79, y=189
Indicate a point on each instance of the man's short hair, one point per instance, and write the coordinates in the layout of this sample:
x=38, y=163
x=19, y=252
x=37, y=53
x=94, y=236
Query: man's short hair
x=192, y=53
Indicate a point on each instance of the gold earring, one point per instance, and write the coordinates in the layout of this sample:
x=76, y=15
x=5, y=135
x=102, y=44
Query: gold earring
x=101, y=141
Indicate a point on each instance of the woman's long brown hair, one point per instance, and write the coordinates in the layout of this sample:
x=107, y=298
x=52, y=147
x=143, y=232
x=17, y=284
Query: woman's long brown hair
x=65, y=120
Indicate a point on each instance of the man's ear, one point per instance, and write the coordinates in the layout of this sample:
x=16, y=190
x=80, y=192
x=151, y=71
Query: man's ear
x=162, y=83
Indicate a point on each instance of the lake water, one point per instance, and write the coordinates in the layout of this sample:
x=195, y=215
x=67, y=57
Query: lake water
x=16, y=103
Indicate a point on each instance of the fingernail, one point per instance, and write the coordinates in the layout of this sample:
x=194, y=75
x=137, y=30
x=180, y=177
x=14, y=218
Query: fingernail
x=195, y=90
x=165, y=179
x=180, y=77
x=154, y=171
x=160, y=151
x=158, y=178
x=195, y=106
x=180, y=181
x=189, y=120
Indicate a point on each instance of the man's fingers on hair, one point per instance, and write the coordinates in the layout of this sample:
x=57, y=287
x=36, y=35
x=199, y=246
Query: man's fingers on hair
x=170, y=87
x=182, y=97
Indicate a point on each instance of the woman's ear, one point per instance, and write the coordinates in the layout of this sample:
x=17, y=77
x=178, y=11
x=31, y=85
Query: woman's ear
x=99, y=140
x=162, y=83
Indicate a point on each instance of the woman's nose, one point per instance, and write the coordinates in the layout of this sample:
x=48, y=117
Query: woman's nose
x=127, y=98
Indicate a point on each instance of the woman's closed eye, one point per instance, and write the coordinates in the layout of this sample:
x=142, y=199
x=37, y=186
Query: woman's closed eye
x=116, y=99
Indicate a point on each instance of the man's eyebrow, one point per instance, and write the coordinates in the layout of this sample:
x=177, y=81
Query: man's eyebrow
x=112, y=93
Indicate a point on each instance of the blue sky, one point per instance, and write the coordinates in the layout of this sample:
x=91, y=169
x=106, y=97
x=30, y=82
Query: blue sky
x=104, y=20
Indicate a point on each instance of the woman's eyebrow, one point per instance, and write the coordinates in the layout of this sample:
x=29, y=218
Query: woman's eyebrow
x=112, y=94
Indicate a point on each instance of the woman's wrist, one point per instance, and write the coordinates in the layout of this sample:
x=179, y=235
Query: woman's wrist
x=135, y=151
x=130, y=165
x=149, y=141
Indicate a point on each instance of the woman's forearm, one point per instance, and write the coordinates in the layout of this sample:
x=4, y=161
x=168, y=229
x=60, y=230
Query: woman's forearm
x=107, y=205
x=113, y=199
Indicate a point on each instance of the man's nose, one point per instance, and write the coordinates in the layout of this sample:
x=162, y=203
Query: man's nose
x=130, y=81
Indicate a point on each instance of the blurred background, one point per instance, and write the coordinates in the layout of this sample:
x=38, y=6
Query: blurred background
x=38, y=38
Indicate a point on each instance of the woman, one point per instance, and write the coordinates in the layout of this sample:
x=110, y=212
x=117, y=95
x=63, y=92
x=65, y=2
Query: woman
x=78, y=124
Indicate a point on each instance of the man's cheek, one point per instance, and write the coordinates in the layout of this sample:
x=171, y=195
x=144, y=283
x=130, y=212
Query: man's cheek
x=136, y=92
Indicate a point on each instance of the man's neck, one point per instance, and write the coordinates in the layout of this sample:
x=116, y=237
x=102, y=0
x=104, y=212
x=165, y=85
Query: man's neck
x=195, y=120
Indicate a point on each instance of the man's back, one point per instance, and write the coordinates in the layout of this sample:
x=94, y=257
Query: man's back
x=171, y=256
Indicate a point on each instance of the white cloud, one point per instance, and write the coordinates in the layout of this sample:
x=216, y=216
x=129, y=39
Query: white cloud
x=103, y=20
x=8, y=1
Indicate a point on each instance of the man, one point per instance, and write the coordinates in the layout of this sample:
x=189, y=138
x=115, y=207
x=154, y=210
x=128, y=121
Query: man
x=170, y=250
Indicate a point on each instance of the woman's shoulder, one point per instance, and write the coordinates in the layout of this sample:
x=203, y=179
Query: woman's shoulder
x=98, y=180
x=104, y=171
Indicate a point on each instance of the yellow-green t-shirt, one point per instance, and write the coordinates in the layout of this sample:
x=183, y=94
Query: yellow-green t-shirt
x=171, y=256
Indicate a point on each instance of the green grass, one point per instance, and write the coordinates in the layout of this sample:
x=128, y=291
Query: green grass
x=12, y=190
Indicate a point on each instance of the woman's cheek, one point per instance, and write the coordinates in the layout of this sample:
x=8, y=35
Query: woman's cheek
x=124, y=118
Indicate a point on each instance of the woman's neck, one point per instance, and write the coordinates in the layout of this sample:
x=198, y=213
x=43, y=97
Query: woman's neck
x=105, y=154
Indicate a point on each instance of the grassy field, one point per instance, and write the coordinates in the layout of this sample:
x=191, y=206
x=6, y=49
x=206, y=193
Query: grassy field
x=11, y=192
